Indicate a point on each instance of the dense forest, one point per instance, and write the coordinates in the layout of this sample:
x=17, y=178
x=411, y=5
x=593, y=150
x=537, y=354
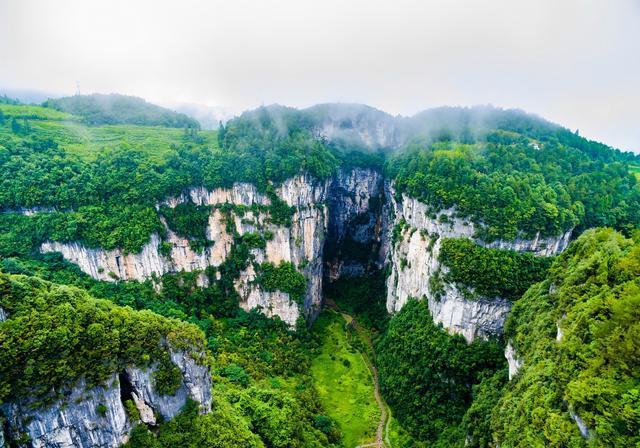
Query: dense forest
x=506, y=181
x=98, y=170
x=577, y=335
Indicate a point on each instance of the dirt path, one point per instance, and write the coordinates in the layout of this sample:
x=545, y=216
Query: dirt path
x=382, y=432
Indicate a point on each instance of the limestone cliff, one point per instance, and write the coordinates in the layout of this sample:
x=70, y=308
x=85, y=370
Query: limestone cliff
x=95, y=416
x=343, y=209
x=414, y=262
x=346, y=221
x=354, y=232
x=300, y=243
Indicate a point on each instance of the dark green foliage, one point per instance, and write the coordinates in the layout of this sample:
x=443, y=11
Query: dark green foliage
x=101, y=409
x=110, y=201
x=328, y=428
x=57, y=334
x=189, y=221
x=593, y=294
x=222, y=428
x=436, y=285
x=364, y=297
x=284, y=277
x=167, y=376
x=426, y=375
x=476, y=424
x=491, y=272
x=100, y=109
x=512, y=184
x=236, y=374
x=180, y=296
x=280, y=213
x=278, y=139
x=254, y=240
x=281, y=420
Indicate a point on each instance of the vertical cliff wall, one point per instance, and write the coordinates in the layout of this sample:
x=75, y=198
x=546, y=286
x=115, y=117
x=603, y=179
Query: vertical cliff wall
x=355, y=200
x=340, y=226
x=338, y=221
x=301, y=243
x=95, y=416
x=413, y=259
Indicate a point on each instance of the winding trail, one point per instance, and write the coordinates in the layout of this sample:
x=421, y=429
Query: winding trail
x=382, y=431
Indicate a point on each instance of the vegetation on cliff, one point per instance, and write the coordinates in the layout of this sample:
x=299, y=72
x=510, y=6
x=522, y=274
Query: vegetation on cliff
x=477, y=270
x=515, y=175
x=578, y=335
x=56, y=335
x=426, y=375
x=514, y=186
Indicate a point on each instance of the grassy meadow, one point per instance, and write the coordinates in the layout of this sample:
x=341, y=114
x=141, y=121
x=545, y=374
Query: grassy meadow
x=87, y=142
x=344, y=383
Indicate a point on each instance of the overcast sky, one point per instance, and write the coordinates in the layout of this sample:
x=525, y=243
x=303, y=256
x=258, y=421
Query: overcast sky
x=575, y=62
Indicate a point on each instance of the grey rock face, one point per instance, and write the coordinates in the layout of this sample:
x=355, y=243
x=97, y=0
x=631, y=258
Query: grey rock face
x=414, y=261
x=3, y=315
x=196, y=384
x=300, y=244
x=355, y=201
x=95, y=417
x=84, y=418
x=513, y=361
x=470, y=318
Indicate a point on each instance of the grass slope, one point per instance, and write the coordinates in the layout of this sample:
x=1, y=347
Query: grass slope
x=344, y=383
x=88, y=141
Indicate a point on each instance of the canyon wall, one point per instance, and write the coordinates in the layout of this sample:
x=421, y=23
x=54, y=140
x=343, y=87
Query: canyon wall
x=354, y=233
x=300, y=243
x=345, y=206
x=95, y=416
x=413, y=259
x=345, y=221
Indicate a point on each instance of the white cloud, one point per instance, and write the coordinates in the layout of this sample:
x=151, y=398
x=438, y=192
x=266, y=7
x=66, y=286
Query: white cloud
x=573, y=61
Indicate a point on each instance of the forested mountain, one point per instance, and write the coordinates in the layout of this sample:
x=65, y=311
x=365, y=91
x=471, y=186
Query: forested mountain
x=100, y=109
x=124, y=228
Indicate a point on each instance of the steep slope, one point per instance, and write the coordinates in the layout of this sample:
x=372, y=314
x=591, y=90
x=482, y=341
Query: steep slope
x=575, y=339
x=461, y=207
x=417, y=271
x=69, y=363
x=235, y=214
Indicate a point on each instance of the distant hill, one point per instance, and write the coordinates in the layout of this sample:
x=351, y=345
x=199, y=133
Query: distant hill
x=28, y=96
x=209, y=117
x=98, y=109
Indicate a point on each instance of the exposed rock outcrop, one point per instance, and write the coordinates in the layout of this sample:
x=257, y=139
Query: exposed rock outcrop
x=354, y=232
x=355, y=198
x=84, y=417
x=513, y=361
x=582, y=426
x=301, y=243
x=95, y=416
x=414, y=264
x=196, y=384
x=347, y=221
